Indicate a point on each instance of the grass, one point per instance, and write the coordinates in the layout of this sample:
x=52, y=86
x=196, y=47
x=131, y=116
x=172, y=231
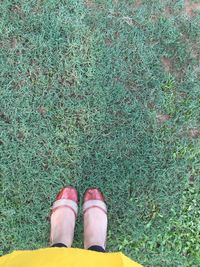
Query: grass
x=106, y=94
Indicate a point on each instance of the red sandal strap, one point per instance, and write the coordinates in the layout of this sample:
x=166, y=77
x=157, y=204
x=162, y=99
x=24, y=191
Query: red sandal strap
x=94, y=204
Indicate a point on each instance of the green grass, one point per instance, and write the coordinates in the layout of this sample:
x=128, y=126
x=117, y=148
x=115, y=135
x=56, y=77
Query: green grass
x=86, y=100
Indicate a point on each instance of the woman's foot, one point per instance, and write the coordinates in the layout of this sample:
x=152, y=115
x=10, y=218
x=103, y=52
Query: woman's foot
x=63, y=217
x=95, y=219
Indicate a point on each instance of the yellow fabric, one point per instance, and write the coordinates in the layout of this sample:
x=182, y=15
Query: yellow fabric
x=62, y=257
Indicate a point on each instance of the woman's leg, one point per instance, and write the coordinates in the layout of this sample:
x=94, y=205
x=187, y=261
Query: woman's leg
x=63, y=218
x=62, y=226
x=95, y=222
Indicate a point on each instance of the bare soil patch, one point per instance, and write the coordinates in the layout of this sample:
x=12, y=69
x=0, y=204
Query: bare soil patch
x=167, y=64
x=194, y=133
x=89, y=3
x=163, y=118
x=191, y=7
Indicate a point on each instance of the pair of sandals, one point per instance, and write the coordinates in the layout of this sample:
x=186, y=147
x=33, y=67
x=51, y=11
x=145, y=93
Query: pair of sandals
x=68, y=197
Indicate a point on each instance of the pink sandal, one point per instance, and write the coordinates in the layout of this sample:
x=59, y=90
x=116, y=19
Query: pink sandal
x=67, y=197
x=93, y=198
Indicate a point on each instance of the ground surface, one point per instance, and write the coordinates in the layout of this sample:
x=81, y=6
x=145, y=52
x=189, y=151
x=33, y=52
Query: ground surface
x=106, y=94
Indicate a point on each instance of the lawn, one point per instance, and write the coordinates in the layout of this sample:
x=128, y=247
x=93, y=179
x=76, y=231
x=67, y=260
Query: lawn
x=106, y=94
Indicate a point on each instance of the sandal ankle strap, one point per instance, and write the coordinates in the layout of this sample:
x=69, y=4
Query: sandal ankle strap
x=94, y=204
x=65, y=203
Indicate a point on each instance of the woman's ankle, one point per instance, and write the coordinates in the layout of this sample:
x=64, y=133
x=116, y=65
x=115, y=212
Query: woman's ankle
x=95, y=228
x=62, y=227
